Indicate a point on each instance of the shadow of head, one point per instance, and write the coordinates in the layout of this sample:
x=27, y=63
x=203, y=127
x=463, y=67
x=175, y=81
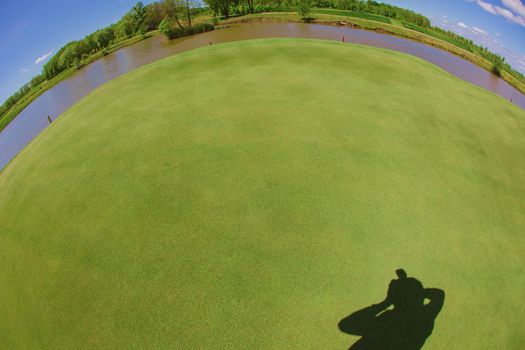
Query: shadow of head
x=406, y=292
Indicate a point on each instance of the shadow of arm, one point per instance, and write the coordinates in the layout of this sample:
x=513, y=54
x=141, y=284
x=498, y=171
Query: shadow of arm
x=437, y=299
x=362, y=321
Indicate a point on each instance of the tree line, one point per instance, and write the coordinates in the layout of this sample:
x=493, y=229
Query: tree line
x=227, y=8
x=139, y=20
x=410, y=19
x=174, y=19
x=497, y=61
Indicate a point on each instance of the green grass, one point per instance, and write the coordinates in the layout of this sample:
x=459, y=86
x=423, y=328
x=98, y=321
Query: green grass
x=31, y=95
x=440, y=36
x=35, y=92
x=361, y=19
x=252, y=194
x=364, y=15
x=395, y=28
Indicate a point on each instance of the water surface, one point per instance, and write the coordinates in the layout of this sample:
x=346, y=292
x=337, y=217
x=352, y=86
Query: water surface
x=33, y=119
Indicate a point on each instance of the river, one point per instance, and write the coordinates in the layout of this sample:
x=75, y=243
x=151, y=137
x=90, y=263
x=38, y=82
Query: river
x=33, y=119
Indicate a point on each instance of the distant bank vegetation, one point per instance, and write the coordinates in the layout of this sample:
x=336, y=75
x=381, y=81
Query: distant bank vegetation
x=370, y=10
x=175, y=18
x=139, y=20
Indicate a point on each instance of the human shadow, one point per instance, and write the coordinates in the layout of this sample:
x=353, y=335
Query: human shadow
x=406, y=326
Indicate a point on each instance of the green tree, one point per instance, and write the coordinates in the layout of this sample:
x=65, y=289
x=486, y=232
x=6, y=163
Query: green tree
x=188, y=12
x=36, y=80
x=166, y=27
x=251, y=7
x=304, y=8
x=497, y=65
x=124, y=27
x=174, y=10
x=91, y=43
x=138, y=16
x=154, y=16
x=68, y=56
x=83, y=49
x=220, y=7
x=104, y=37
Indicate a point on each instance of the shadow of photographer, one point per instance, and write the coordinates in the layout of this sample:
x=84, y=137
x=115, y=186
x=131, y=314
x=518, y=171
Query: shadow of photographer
x=406, y=326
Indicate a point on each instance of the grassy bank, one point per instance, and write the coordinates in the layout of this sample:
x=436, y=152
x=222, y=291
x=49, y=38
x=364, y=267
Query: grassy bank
x=252, y=194
x=383, y=24
x=46, y=85
x=34, y=93
x=39, y=90
x=324, y=16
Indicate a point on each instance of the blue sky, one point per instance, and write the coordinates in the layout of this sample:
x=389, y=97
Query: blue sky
x=32, y=30
x=496, y=24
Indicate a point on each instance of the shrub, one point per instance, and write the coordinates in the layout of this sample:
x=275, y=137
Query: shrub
x=200, y=28
x=497, y=65
x=496, y=69
x=304, y=8
x=166, y=27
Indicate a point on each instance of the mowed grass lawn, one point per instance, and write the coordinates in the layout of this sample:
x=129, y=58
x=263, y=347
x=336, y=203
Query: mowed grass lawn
x=250, y=195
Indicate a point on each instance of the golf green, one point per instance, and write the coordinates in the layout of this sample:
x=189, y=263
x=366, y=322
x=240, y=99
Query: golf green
x=250, y=195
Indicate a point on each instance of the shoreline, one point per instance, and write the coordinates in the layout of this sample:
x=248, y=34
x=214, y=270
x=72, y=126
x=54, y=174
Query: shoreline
x=57, y=79
x=291, y=17
x=379, y=27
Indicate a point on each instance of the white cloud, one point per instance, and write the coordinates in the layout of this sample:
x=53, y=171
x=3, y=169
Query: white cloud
x=515, y=5
x=486, y=6
x=23, y=70
x=486, y=39
x=43, y=57
x=516, y=17
x=479, y=30
x=511, y=16
x=462, y=25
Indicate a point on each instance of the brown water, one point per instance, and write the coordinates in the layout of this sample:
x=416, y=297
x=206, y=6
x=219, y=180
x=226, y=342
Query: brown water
x=32, y=120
